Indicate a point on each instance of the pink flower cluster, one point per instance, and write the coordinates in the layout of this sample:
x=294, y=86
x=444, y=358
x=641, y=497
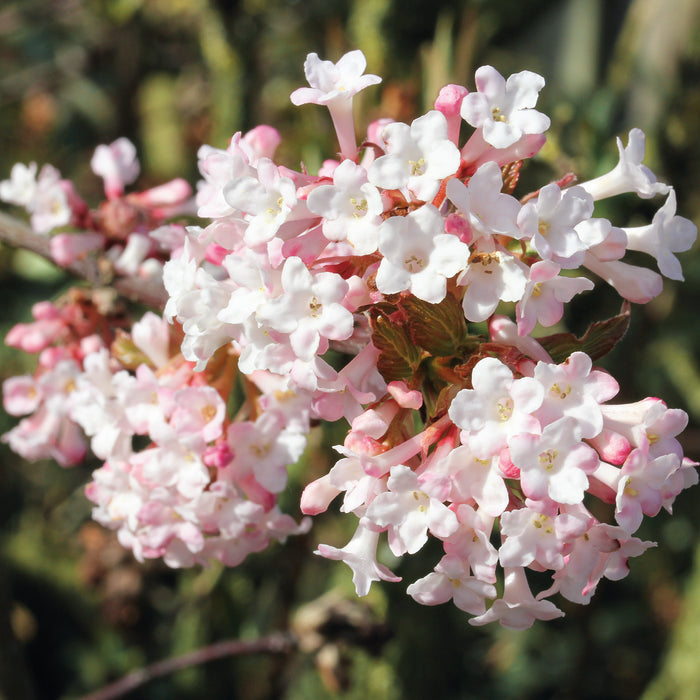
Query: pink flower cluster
x=493, y=446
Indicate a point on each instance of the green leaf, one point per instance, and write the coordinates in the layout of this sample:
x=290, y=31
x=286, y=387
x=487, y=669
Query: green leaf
x=600, y=338
x=440, y=329
x=399, y=357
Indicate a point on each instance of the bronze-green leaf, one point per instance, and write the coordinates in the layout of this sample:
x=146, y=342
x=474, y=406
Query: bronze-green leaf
x=399, y=357
x=600, y=338
x=440, y=329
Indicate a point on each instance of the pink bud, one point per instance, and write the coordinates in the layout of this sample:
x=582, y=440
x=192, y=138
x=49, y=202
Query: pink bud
x=611, y=446
x=263, y=140
x=405, y=397
x=449, y=102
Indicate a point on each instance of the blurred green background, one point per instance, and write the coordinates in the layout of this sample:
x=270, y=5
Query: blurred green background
x=75, y=610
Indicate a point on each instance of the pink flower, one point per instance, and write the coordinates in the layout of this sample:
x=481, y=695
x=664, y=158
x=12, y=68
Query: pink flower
x=451, y=581
x=409, y=512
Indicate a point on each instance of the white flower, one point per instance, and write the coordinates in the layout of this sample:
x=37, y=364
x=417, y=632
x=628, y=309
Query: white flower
x=268, y=199
x=350, y=207
x=667, y=234
x=332, y=81
x=503, y=108
x=550, y=223
x=417, y=157
x=629, y=175
x=482, y=204
x=492, y=275
x=418, y=255
x=20, y=189
x=334, y=85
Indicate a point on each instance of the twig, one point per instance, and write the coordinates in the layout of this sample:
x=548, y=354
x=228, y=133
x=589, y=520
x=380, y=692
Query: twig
x=146, y=291
x=277, y=643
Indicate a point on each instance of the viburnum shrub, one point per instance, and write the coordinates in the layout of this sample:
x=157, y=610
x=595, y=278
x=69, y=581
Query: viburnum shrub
x=496, y=445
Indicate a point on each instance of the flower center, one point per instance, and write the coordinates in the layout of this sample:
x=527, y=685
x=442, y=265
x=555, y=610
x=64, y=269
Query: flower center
x=208, y=412
x=413, y=263
x=548, y=458
x=497, y=116
x=505, y=408
x=273, y=211
x=558, y=392
x=315, y=307
x=360, y=207
x=541, y=522
x=417, y=167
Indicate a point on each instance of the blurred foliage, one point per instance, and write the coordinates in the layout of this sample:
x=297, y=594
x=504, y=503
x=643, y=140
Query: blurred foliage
x=75, y=610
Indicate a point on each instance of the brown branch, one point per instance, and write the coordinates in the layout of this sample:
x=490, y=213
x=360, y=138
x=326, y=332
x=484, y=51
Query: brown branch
x=277, y=643
x=95, y=270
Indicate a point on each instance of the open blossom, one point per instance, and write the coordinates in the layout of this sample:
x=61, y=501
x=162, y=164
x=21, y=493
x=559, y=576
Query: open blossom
x=417, y=157
x=360, y=555
x=576, y=390
x=493, y=275
x=502, y=108
x=554, y=464
x=309, y=309
x=418, y=255
x=498, y=407
x=451, y=581
x=20, y=189
x=545, y=294
x=334, y=81
x=409, y=512
x=486, y=210
x=334, y=85
x=350, y=207
x=267, y=198
x=550, y=223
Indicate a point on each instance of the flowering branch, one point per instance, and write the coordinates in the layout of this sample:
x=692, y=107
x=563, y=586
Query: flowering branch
x=276, y=643
x=95, y=270
x=389, y=254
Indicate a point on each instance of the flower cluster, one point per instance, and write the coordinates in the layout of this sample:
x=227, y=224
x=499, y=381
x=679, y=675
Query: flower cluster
x=493, y=445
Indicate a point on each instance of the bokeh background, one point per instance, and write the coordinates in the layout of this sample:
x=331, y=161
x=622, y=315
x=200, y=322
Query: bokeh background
x=76, y=611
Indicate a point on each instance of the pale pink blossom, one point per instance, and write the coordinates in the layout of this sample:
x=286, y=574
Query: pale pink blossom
x=503, y=109
x=518, y=609
x=498, y=407
x=334, y=85
x=451, y=580
x=409, y=512
x=117, y=165
x=545, y=295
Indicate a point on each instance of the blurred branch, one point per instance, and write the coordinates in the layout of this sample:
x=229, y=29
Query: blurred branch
x=276, y=643
x=96, y=271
